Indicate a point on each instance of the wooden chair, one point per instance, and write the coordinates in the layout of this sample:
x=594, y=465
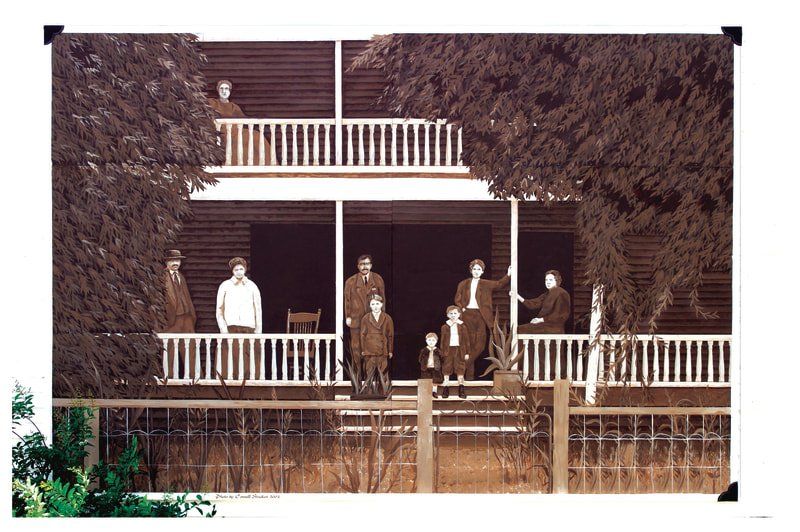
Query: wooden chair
x=301, y=323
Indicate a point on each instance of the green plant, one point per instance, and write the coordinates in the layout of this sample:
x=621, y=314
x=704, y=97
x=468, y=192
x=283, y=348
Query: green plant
x=51, y=481
x=503, y=351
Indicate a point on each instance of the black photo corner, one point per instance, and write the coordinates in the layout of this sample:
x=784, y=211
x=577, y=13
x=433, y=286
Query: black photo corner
x=50, y=32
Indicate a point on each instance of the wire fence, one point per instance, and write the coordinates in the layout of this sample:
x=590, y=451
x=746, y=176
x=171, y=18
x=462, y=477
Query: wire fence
x=649, y=453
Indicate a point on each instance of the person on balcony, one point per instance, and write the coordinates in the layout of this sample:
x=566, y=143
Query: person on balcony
x=474, y=298
x=357, y=290
x=377, y=337
x=238, y=312
x=552, y=307
x=180, y=313
x=224, y=108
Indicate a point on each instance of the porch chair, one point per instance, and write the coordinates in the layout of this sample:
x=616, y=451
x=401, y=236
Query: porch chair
x=301, y=323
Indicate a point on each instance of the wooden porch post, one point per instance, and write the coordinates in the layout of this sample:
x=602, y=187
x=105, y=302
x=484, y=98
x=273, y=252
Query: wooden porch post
x=93, y=447
x=513, y=307
x=560, y=436
x=339, y=290
x=592, y=370
x=338, y=99
x=424, y=436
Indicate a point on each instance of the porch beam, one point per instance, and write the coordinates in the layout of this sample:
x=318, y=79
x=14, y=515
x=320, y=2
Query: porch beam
x=513, y=307
x=339, y=351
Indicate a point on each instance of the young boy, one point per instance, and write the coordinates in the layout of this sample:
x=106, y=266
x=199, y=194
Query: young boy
x=455, y=350
x=430, y=361
x=377, y=336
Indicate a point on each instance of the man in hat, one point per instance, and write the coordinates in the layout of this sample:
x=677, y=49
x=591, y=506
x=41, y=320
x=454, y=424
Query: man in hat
x=181, y=317
x=358, y=288
x=238, y=312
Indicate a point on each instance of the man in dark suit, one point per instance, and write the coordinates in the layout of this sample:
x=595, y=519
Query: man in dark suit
x=474, y=298
x=181, y=317
x=357, y=290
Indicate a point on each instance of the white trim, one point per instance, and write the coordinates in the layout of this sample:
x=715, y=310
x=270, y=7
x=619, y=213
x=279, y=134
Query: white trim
x=513, y=306
x=345, y=189
x=337, y=69
x=335, y=169
x=339, y=351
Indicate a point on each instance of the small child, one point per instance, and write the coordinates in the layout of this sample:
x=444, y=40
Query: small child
x=455, y=350
x=430, y=361
x=377, y=336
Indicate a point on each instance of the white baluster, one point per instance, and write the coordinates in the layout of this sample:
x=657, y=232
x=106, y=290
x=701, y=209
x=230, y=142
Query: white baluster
x=579, y=359
x=274, y=366
x=175, y=363
x=165, y=362
x=383, y=144
x=536, y=359
x=394, y=144
x=284, y=147
x=449, y=148
x=295, y=155
x=405, y=144
x=316, y=357
x=427, y=145
x=218, y=360
x=569, y=360
x=285, y=368
x=349, y=144
x=240, y=369
x=710, y=368
x=645, y=362
x=612, y=362
x=525, y=361
x=229, y=373
x=558, y=360
x=315, y=150
x=327, y=144
x=460, y=162
x=623, y=373
x=677, y=361
x=261, y=149
x=416, y=144
x=666, y=362
x=228, y=144
x=262, y=359
x=197, y=358
x=305, y=144
x=372, y=144
x=601, y=362
x=295, y=343
x=437, y=149
x=698, y=373
x=250, y=144
x=656, y=365
x=331, y=359
x=252, y=374
x=240, y=144
x=721, y=372
x=273, y=157
x=186, y=369
x=208, y=358
x=634, y=355
x=361, y=144
x=688, y=345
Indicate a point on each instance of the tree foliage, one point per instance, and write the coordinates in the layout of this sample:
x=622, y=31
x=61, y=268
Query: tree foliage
x=638, y=128
x=131, y=133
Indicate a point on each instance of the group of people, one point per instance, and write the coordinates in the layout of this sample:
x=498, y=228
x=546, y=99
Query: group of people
x=463, y=336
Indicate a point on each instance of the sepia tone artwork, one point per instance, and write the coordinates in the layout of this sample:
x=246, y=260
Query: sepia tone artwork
x=211, y=197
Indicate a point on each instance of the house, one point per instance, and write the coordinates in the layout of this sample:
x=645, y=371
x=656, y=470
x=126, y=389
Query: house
x=346, y=176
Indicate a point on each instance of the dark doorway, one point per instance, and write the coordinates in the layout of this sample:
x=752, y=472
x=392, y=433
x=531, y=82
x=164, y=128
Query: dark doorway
x=539, y=252
x=294, y=266
x=421, y=265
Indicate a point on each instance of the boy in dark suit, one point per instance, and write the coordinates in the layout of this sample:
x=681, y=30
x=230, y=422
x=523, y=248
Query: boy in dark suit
x=430, y=361
x=455, y=350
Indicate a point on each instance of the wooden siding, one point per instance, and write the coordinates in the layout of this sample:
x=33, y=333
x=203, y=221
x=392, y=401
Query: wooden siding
x=220, y=230
x=274, y=79
x=362, y=87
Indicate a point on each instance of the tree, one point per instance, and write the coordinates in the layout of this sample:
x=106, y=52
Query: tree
x=638, y=128
x=131, y=133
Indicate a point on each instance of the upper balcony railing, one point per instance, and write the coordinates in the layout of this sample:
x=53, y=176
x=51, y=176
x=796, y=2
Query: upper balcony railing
x=363, y=144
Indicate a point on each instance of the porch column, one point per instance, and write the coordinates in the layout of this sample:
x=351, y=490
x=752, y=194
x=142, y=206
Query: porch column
x=594, y=354
x=337, y=62
x=339, y=289
x=513, y=307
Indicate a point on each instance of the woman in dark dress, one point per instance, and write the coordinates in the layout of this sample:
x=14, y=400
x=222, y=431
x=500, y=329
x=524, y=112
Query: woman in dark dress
x=224, y=108
x=552, y=307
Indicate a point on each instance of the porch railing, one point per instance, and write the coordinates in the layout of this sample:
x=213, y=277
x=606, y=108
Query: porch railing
x=378, y=143
x=249, y=357
x=664, y=360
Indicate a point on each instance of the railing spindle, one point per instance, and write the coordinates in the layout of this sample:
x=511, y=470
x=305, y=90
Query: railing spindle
x=372, y=144
x=262, y=360
x=536, y=359
x=284, y=147
x=688, y=346
x=437, y=148
x=327, y=144
x=721, y=350
x=250, y=145
x=208, y=358
x=634, y=354
x=427, y=144
x=394, y=143
x=295, y=344
x=579, y=376
x=666, y=362
x=698, y=373
x=350, y=144
x=525, y=361
x=295, y=154
x=273, y=375
x=612, y=361
x=240, y=144
x=361, y=145
x=416, y=144
x=645, y=362
x=677, y=364
x=710, y=368
x=229, y=372
x=558, y=360
x=261, y=149
x=165, y=363
x=329, y=360
x=460, y=162
x=218, y=360
x=383, y=144
x=449, y=148
x=405, y=143
x=305, y=144
x=273, y=157
x=285, y=368
x=656, y=373
x=228, y=145
x=252, y=375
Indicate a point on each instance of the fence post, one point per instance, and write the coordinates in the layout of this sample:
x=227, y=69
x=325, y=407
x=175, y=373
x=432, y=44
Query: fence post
x=93, y=445
x=424, y=436
x=560, y=436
